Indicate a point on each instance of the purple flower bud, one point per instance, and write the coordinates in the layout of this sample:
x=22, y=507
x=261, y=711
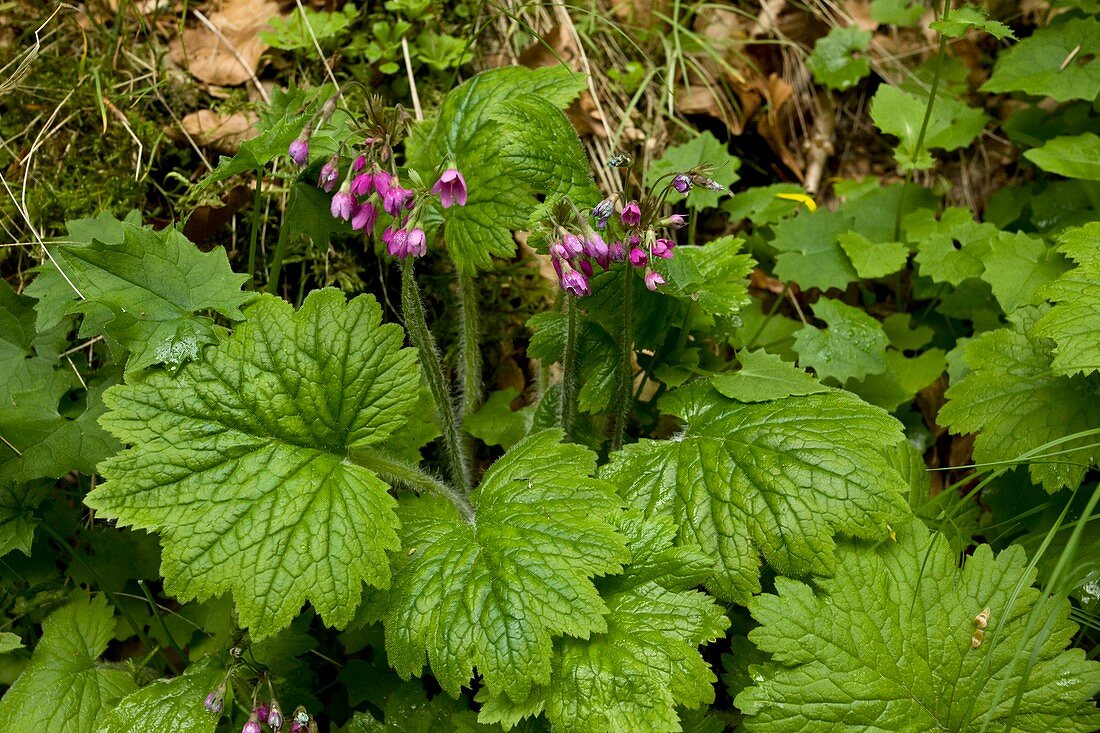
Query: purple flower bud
x=416, y=243
x=359, y=164
x=676, y=221
x=594, y=246
x=383, y=181
x=682, y=183
x=330, y=171
x=215, y=700
x=573, y=244
x=360, y=185
x=638, y=256
x=635, y=240
x=575, y=283
x=275, y=717
x=617, y=252
x=451, y=188
x=558, y=249
x=299, y=149
x=395, y=199
x=603, y=210
x=363, y=217
x=557, y=265
x=261, y=712
x=586, y=267
x=252, y=726
x=296, y=728
x=663, y=248
x=631, y=214
x=653, y=280
x=342, y=204
x=708, y=183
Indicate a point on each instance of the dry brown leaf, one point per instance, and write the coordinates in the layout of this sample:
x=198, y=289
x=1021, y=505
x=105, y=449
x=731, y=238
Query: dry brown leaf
x=207, y=57
x=860, y=13
x=773, y=124
x=510, y=376
x=222, y=132
x=639, y=12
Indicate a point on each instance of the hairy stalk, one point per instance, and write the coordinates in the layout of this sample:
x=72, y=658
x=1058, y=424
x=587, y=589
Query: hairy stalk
x=277, y=263
x=254, y=236
x=470, y=320
x=417, y=324
x=626, y=372
x=569, y=368
x=919, y=147
x=396, y=470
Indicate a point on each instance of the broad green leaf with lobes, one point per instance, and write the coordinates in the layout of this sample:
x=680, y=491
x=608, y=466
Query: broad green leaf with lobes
x=1018, y=267
x=65, y=688
x=764, y=377
x=777, y=479
x=853, y=345
x=714, y=276
x=469, y=134
x=1016, y=403
x=1074, y=321
x=1057, y=61
x=873, y=259
x=809, y=252
x=153, y=285
x=493, y=594
x=174, y=705
x=240, y=462
x=968, y=17
x=952, y=125
x=834, y=61
x=1072, y=156
x=886, y=645
x=951, y=249
x=17, y=520
x=633, y=676
x=902, y=13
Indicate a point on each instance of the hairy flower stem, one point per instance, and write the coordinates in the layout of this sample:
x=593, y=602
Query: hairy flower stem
x=471, y=353
x=255, y=234
x=412, y=307
x=395, y=470
x=568, y=403
x=626, y=373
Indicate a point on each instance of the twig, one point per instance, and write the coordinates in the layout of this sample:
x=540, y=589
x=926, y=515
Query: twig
x=820, y=145
x=412, y=80
x=320, y=53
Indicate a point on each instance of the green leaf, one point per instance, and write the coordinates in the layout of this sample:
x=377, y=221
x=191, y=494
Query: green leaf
x=834, y=61
x=542, y=148
x=763, y=378
x=292, y=34
x=1072, y=156
x=903, y=336
x=407, y=710
x=714, y=276
x=18, y=503
x=970, y=17
x=468, y=132
x=254, y=154
x=9, y=642
x=764, y=204
x=1016, y=403
x=169, y=705
x=952, y=125
x=810, y=254
x=949, y=250
x=154, y=285
x=873, y=259
x=707, y=150
x=902, y=13
x=240, y=462
x=599, y=369
x=777, y=479
x=903, y=378
x=65, y=689
x=1018, y=267
x=495, y=423
x=632, y=677
x=1057, y=61
x=853, y=346
x=494, y=593
x=1074, y=321
x=886, y=645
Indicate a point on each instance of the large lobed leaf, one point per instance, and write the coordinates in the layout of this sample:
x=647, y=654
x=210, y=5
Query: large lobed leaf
x=239, y=462
x=65, y=688
x=469, y=133
x=886, y=645
x=493, y=593
x=1074, y=322
x=777, y=479
x=1016, y=402
x=174, y=704
x=1049, y=62
x=148, y=292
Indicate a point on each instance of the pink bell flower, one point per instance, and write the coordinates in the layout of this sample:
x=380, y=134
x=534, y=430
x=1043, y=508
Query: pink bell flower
x=451, y=188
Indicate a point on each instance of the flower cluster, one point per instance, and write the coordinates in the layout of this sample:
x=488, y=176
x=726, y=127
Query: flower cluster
x=576, y=249
x=371, y=186
x=262, y=713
